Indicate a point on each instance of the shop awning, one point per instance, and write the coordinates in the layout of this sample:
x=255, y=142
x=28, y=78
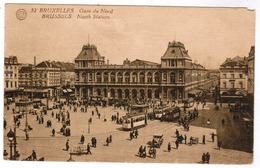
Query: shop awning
x=64, y=91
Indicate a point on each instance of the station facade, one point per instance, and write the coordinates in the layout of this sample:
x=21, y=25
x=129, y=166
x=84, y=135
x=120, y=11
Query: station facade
x=173, y=79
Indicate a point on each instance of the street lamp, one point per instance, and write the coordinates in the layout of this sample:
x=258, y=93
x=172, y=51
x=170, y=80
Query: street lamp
x=11, y=137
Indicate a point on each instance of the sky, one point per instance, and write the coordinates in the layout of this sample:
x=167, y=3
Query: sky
x=209, y=34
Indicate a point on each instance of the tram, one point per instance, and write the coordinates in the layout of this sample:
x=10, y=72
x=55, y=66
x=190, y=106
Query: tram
x=160, y=111
x=136, y=118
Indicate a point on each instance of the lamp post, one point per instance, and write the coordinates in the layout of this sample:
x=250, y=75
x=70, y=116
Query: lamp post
x=15, y=119
x=11, y=137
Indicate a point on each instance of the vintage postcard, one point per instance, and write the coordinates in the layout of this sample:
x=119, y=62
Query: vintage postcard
x=142, y=84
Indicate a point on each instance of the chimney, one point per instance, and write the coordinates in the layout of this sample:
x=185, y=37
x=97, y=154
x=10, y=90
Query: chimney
x=34, y=60
x=107, y=62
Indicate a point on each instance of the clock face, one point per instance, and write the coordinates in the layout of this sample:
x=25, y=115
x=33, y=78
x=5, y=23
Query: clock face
x=21, y=14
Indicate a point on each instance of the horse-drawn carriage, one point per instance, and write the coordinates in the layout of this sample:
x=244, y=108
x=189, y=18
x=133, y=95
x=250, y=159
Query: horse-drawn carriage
x=78, y=150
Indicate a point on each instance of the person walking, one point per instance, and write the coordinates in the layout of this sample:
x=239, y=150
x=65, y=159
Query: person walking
x=140, y=151
x=88, y=149
x=177, y=144
x=169, y=147
x=204, y=139
x=5, y=124
x=53, y=132
x=203, y=158
x=82, y=139
x=185, y=139
x=67, y=145
x=207, y=157
x=107, y=141
x=110, y=139
x=34, y=157
x=219, y=144
x=212, y=136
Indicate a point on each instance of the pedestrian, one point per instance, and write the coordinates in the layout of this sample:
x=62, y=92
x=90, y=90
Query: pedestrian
x=191, y=140
x=82, y=139
x=185, y=139
x=5, y=124
x=219, y=144
x=203, y=158
x=131, y=135
x=34, y=157
x=207, y=157
x=169, y=147
x=212, y=136
x=203, y=139
x=177, y=133
x=136, y=133
x=110, y=139
x=177, y=144
x=52, y=114
x=140, y=151
x=53, y=132
x=144, y=151
x=67, y=145
x=107, y=141
x=26, y=136
x=88, y=149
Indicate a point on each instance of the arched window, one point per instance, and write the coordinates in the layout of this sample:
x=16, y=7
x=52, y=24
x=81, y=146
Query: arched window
x=156, y=77
x=180, y=77
x=105, y=77
x=112, y=77
x=149, y=77
x=134, y=77
x=119, y=77
x=127, y=77
x=141, y=76
x=98, y=77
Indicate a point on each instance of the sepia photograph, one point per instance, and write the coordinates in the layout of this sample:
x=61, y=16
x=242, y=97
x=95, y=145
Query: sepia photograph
x=131, y=84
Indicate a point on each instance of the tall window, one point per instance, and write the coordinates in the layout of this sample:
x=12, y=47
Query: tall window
x=119, y=77
x=165, y=77
x=156, y=77
x=98, y=77
x=232, y=85
x=241, y=85
x=134, y=77
x=149, y=77
x=105, y=77
x=112, y=77
x=142, y=79
x=232, y=76
x=172, y=77
x=240, y=75
x=180, y=77
x=127, y=77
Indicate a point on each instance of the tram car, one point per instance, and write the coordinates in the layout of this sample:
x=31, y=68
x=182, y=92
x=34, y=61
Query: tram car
x=134, y=120
x=136, y=117
x=171, y=114
x=160, y=111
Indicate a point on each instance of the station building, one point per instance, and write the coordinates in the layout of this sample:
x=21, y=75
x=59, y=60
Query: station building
x=174, y=79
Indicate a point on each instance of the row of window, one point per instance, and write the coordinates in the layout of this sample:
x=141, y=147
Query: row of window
x=232, y=76
x=10, y=84
x=232, y=85
x=11, y=75
x=11, y=67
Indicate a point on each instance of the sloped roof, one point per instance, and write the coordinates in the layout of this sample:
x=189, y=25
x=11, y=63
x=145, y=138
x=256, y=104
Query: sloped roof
x=176, y=50
x=236, y=61
x=142, y=62
x=67, y=66
x=89, y=52
x=25, y=69
x=46, y=64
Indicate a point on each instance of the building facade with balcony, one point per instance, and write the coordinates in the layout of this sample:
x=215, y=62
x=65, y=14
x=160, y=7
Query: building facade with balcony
x=173, y=79
x=233, y=77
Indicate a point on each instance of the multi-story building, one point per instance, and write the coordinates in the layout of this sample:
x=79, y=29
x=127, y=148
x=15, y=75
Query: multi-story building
x=11, y=84
x=67, y=73
x=173, y=79
x=44, y=78
x=250, y=70
x=233, y=76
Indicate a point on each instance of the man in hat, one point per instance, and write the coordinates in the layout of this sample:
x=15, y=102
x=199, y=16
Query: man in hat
x=67, y=145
